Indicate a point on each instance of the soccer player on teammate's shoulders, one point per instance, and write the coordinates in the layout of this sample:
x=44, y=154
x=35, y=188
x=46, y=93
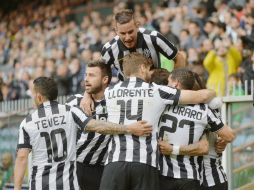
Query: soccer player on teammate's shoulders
x=179, y=161
x=132, y=160
x=131, y=38
x=92, y=147
x=50, y=134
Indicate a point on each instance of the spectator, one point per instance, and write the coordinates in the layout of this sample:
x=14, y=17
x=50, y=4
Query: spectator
x=76, y=77
x=209, y=29
x=63, y=80
x=97, y=44
x=166, y=32
x=220, y=63
x=184, y=36
x=247, y=67
x=8, y=93
x=196, y=37
x=6, y=169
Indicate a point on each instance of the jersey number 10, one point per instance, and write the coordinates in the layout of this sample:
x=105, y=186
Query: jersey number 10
x=52, y=147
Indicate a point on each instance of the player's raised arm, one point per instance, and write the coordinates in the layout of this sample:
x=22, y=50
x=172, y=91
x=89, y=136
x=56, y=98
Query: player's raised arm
x=196, y=97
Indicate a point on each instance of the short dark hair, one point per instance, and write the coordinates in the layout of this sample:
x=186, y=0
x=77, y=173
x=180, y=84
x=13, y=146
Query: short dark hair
x=199, y=84
x=47, y=87
x=160, y=76
x=105, y=68
x=185, y=77
x=124, y=16
x=222, y=25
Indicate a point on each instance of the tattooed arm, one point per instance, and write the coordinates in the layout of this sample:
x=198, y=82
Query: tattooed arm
x=140, y=128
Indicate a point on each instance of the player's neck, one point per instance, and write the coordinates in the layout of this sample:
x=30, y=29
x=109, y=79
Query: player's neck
x=138, y=76
x=98, y=96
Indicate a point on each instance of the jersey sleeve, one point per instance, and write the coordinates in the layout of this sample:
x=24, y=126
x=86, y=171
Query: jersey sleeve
x=24, y=137
x=214, y=120
x=79, y=117
x=107, y=54
x=74, y=100
x=165, y=47
x=169, y=96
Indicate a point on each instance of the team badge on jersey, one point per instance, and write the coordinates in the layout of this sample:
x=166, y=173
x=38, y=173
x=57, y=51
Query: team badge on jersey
x=147, y=53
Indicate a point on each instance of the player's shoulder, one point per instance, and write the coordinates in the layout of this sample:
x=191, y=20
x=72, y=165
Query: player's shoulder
x=203, y=106
x=114, y=85
x=29, y=118
x=26, y=120
x=74, y=99
x=162, y=87
x=110, y=43
x=145, y=31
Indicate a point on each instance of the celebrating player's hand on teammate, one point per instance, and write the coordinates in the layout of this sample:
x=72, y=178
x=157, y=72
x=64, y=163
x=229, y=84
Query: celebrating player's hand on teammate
x=87, y=104
x=140, y=128
x=220, y=145
x=165, y=147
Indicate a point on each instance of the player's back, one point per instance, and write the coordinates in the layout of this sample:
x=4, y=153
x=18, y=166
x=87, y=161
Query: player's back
x=184, y=125
x=212, y=171
x=185, y=121
x=52, y=136
x=91, y=146
x=131, y=101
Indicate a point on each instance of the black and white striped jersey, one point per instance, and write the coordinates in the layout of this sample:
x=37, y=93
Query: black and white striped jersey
x=92, y=147
x=184, y=125
x=50, y=132
x=212, y=170
x=130, y=101
x=149, y=43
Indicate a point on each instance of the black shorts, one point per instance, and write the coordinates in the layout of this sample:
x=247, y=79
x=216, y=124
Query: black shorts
x=169, y=183
x=89, y=176
x=129, y=176
x=220, y=186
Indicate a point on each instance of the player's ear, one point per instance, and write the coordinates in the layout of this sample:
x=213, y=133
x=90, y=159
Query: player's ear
x=39, y=97
x=142, y=68
x=177, y=84
x=105, y=80
x=115, y=26
x=137, y=23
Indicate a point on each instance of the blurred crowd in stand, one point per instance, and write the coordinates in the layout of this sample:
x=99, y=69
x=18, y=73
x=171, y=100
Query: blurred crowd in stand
x=44, y=40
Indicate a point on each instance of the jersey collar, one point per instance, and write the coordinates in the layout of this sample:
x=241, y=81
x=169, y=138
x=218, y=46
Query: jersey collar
x=47, y=103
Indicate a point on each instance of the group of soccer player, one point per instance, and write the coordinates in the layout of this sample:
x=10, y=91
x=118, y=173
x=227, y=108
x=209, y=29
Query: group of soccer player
x=151, y=130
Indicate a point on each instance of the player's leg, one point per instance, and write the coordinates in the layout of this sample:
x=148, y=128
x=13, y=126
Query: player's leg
x=167, y=183
x=220, y=186
x=81, y=175
x=90, y=176
x=144, y=177
x=189, y=184
x=115, y=176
